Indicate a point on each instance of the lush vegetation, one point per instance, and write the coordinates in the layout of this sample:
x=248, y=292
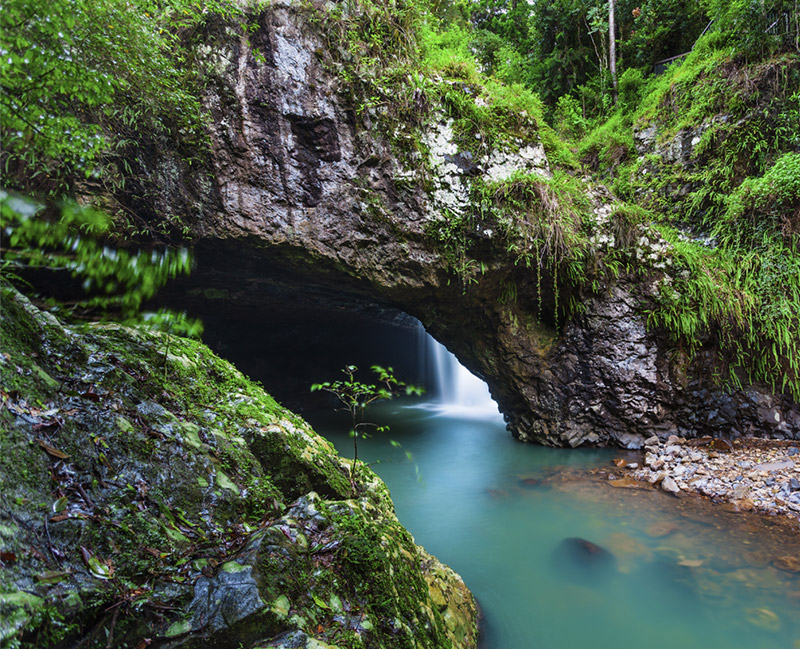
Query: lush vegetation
x=83, y=83
x=726, y=202
x=68, y=238
x=79, y=79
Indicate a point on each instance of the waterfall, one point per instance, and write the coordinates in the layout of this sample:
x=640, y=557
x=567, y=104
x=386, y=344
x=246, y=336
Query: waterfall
x=455, y=390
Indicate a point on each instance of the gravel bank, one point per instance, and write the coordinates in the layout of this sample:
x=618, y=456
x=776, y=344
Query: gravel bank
x=752, y=474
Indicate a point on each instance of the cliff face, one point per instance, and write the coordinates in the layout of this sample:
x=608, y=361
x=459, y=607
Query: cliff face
x=151, y=492
x=301, y=177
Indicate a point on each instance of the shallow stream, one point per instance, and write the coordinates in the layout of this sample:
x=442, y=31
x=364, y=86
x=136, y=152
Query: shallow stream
x=684, y=573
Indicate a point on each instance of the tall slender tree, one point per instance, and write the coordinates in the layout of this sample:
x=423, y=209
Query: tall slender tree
x=612, y=47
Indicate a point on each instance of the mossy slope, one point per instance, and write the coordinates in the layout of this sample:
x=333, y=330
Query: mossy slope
x=151, y=491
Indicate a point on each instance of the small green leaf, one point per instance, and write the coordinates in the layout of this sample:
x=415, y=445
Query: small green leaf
x=319, y=601
x=98, y=569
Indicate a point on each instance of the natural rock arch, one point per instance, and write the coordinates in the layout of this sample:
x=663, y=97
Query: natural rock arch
x=297, y=180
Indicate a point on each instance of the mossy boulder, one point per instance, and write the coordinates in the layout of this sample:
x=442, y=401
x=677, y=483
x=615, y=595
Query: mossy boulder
x=150, y=490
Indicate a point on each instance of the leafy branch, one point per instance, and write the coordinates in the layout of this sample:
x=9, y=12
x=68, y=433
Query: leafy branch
x=356, y=397
x=69, y=237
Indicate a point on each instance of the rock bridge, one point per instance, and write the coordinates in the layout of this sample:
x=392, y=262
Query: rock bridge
x=300, y=185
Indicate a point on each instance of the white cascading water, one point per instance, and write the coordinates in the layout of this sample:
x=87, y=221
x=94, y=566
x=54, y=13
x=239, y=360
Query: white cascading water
x=455, y=389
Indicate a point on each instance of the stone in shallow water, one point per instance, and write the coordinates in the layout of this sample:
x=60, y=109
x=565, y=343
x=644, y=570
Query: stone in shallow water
x=691, y=563
x=661, y=528
x=670, y=486
x=625, y=547
x=763, y=618
x=584, y=562
x=627, y=482
x=789, y=563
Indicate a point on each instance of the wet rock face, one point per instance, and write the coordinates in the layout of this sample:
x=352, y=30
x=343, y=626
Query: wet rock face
x=299, y=179
x=150, y=491
x=609, y=381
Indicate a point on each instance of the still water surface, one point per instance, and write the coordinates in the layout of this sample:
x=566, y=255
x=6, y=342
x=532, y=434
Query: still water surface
x=685, y=574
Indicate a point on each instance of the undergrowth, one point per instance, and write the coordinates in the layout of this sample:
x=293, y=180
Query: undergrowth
x=543, y=222
x=745, y=300
x=724, y=182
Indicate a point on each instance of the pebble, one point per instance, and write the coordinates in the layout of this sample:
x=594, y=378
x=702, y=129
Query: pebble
x=781, y=465
x=761, y=476
x=669, y=485
x=763, y=618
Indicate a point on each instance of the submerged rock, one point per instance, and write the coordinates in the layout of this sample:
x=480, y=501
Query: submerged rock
x=763, y=618
x=163, y=496
x=788, y=563
x=584, y=562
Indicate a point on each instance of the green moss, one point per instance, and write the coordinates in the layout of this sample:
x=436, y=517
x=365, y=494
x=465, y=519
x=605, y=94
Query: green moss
x=180, y=459
x=384, y=563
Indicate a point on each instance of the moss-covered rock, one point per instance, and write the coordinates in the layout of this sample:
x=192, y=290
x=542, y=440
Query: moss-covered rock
x=150, y=490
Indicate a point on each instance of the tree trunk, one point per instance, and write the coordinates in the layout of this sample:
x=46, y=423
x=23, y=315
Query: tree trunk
x=612, y=47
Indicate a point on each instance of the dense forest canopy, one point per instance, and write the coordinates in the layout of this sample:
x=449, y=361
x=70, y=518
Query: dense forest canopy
x=84, y=83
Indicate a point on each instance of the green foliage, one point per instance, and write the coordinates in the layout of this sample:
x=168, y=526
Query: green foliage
x=569, y=121
x=355, y=397
x=544, y=222
x=561, y=48
x=68, y=237
x=745, y=300
x=747, y=114
x=371, y=39
x=447, y=52
x=487, y=113
x=631, y=85
x=80, y=77
x=627, y=222
x=608, y=145
x=766, y=205
x=756, y=29
x=454, y=234
x=541, y=218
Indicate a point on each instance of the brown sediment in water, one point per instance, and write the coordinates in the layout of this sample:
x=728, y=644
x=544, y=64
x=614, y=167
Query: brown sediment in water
x=717, y=543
